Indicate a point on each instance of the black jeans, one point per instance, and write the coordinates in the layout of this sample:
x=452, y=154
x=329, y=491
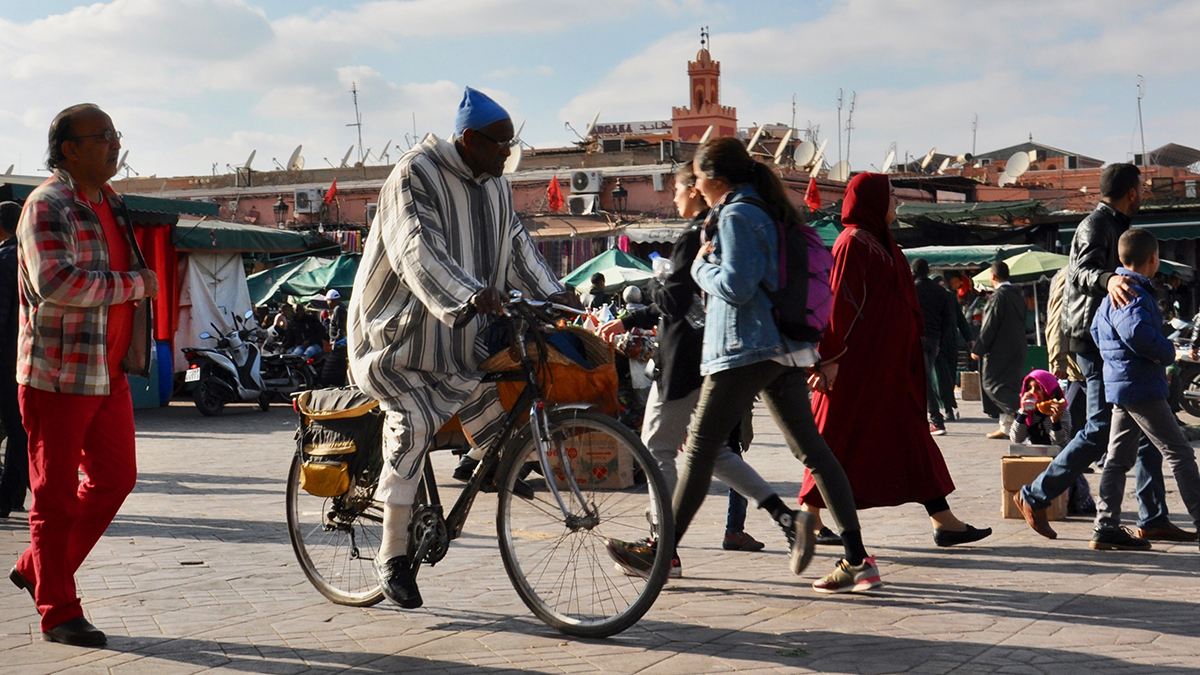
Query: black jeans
x=933, y=406
x=724, y=398
x=15, y=481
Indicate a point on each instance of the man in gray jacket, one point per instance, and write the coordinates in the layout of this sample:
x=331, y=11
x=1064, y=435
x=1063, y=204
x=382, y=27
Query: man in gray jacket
x=1091, y=276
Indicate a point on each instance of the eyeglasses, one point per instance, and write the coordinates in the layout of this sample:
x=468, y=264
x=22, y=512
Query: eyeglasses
x=109, y=136
x=512, y=143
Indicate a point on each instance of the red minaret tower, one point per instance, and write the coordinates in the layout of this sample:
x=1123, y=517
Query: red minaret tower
x=705, y=109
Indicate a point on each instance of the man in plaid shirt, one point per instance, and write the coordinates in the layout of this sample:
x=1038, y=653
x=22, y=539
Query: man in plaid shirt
x=84, y=323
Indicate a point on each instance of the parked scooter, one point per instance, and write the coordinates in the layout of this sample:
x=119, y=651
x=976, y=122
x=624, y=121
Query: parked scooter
x=1185, y=381
x=236, y=371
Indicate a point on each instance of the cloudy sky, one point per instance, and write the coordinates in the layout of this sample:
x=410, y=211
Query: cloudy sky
x=193, y=83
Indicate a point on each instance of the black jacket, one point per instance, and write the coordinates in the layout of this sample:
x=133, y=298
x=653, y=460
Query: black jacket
x=679, y=343
x=937, y=308
x=1093, y=261
x=9, y=305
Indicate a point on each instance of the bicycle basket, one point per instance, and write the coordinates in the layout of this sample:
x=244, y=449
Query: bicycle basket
x=339, y=437
x=563, y=379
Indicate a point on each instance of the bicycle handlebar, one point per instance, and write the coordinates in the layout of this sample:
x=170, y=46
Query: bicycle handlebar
x=518, y=304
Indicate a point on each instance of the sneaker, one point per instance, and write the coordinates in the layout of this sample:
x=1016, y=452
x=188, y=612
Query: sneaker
x=846, y=578
x=827, y=537
x=937, y=429
x=1117, y=539
x=740, y=541
x=798, y=528
x=636, y=558
x=466, y=467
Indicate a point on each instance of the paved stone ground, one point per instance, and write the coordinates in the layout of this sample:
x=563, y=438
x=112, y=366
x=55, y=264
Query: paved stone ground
x=197, y=575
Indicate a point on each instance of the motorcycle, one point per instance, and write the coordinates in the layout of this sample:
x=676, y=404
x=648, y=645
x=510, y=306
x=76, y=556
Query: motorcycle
x=237, y=371
x=1186, y=376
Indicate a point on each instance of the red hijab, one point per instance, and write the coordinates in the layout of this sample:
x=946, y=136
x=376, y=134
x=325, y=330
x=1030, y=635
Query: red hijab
x=865, y=207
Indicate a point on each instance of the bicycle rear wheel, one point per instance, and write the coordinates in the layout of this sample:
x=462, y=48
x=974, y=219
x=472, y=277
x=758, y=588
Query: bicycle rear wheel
x=559, y=565
x=336, y=539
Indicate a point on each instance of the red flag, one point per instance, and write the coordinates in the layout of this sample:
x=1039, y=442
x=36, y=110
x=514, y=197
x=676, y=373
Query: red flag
x=811, y=196
x=332, y=194
x=554, y=195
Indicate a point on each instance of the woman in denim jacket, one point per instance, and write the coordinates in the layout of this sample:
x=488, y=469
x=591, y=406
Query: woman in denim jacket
x=744, y=356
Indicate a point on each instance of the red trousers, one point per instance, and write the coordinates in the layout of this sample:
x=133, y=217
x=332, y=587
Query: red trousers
x=68, y=432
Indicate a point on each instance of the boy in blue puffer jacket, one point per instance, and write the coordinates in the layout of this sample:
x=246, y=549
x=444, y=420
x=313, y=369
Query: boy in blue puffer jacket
x=1136, y=355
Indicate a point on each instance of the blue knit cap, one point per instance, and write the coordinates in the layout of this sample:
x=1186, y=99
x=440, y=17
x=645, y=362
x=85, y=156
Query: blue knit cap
x=477, y=111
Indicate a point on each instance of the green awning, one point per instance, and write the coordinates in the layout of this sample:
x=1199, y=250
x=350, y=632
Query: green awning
x=220, y=236
x=338, y=274
x=264, y=285
x=964, y=212
x=618, y=267
x=135, y=203
x=1166, y=229
x=829, y=228
x=966, y=257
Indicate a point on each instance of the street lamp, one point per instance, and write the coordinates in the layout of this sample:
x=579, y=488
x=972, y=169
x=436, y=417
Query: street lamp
x=280, y=210
x=620, y=197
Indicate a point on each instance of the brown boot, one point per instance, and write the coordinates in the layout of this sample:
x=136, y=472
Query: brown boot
x=1036, y=518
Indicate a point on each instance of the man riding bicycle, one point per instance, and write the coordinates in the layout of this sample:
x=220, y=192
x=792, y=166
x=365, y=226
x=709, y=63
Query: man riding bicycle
x=445, y=240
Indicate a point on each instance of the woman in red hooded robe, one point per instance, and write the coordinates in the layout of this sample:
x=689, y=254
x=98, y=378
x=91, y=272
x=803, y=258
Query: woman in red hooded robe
x=869, y=391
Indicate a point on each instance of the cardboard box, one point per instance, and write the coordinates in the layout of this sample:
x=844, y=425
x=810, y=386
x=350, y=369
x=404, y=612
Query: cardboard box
x=1016, y=472
x=598, y=461
x=1029, y=450
x=969, y=382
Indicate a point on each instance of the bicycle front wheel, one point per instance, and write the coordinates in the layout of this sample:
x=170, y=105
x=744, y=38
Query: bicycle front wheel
x=557, y=562
x=336, y=539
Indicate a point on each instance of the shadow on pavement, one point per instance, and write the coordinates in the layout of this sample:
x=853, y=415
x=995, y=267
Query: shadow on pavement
x=228, y=530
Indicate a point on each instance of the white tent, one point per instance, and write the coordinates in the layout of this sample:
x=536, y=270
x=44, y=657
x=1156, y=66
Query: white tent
x=212, y=290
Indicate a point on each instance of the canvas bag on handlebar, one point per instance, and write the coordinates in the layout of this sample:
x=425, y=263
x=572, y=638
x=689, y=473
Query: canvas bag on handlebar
x=340, y=434
x=563, y=379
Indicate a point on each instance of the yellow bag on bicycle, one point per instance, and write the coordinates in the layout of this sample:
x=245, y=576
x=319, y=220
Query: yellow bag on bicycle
x=339, y=439
x=564, y=380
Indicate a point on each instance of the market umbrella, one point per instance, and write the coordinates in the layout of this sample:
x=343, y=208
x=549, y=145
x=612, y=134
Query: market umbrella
x=618, y=267
x=829, y=228
x=338, y=274
x=1026, y=267
x=264, y=286
x=1171, y=268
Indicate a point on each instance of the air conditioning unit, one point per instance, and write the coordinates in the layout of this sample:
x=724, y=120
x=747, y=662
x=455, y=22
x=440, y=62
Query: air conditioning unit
x=583, y=182
x=583, y=205
x=371, y=210
x=308, y=200
x=612, y=145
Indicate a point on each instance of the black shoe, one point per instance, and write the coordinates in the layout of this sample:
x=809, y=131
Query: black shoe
x=827, y=537
x=466, y=467
x=21, y=582
x=78, y=632
x=399, y=586
x=1117, y=539
x=950, y=538
x=952, y=415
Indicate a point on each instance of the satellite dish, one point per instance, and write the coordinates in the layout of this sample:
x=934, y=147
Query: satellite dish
x=591, y=127
x=121, y=163
x=1004, y=179
x=887, y=163
x=804, y=153
x=250, y=159
x=964, y=158
x=514, y=160
x=10, y=169
x=291, y=163
x=521, y=128
x=298, y=164
x=782, y=148
x=942, y=168
x=754, y=139
x=840, y=172
x=816, y=162
x=928, y=158
x=1017, y=165
x=384, y=153
x=707, y=133
x=346, y=158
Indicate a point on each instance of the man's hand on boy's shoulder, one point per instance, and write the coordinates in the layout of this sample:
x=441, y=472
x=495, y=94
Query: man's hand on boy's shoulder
x=1121, y=290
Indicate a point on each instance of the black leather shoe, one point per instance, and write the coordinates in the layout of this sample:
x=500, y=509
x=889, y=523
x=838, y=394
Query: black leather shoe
x=78, y=632
x=21, y=582
x=949, y=538
x=399, y=586
x=466, y=467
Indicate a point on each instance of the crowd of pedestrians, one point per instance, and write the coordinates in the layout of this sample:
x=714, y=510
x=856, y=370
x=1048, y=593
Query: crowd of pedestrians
x=859, y=403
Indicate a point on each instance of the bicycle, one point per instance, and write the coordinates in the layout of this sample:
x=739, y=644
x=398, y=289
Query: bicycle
x=552, y=529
